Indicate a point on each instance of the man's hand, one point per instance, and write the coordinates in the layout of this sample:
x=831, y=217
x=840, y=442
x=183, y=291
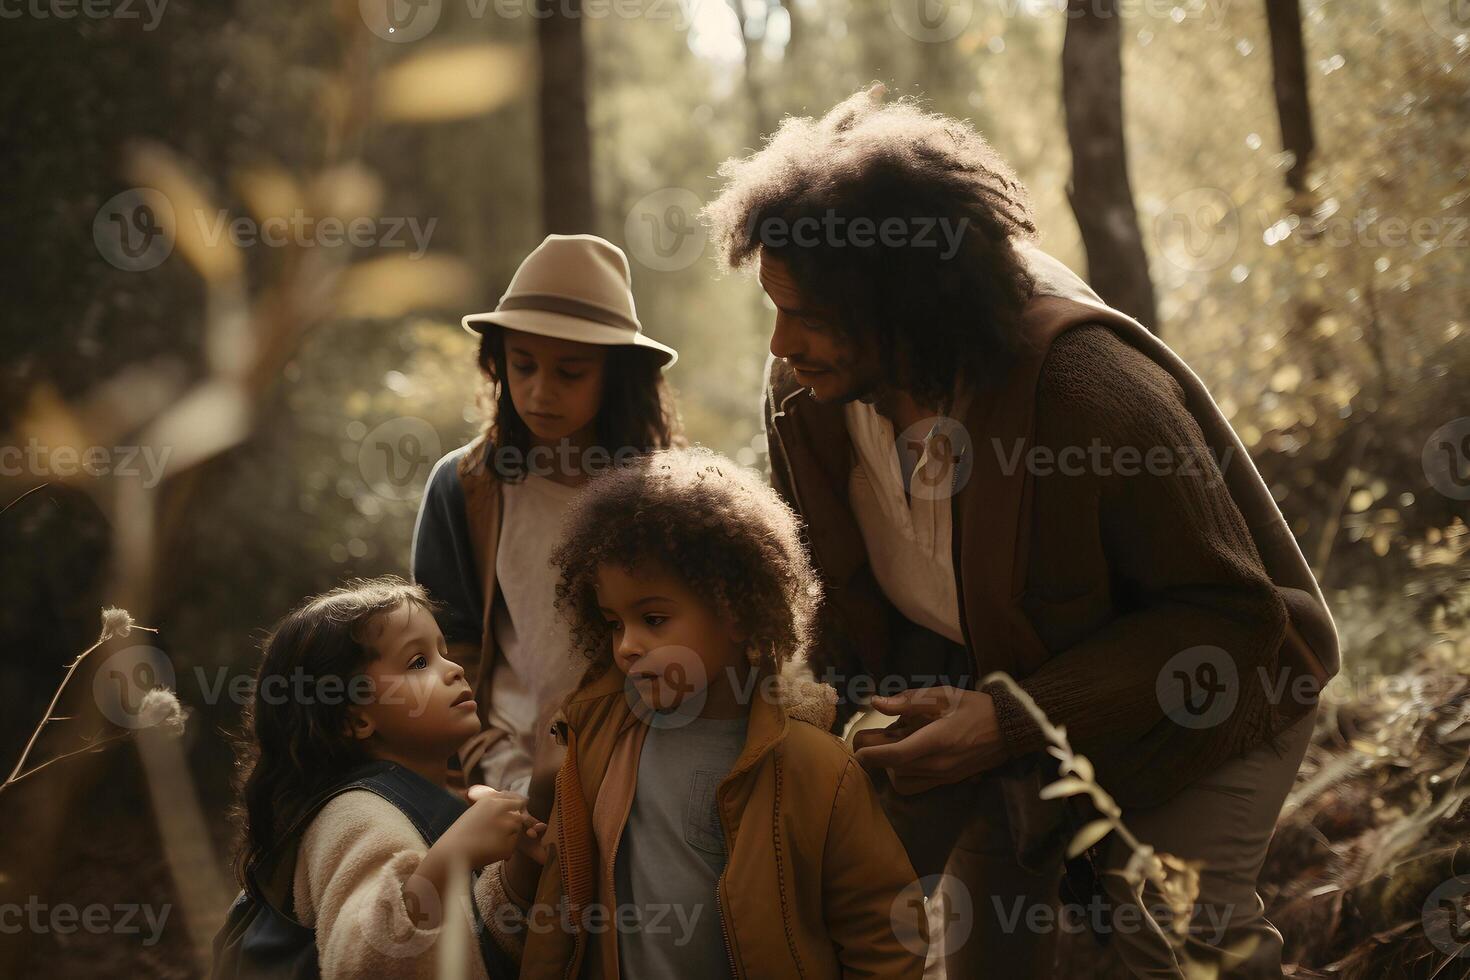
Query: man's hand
x=943, y=735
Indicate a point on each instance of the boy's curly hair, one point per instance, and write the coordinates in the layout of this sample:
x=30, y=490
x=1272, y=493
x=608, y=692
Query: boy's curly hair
x=935, y=318
x=715, y=524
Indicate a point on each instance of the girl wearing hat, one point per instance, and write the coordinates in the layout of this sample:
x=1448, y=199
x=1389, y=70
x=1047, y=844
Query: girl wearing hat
x=574, y=387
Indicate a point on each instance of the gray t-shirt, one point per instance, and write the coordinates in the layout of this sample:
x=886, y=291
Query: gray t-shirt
x=672, y=853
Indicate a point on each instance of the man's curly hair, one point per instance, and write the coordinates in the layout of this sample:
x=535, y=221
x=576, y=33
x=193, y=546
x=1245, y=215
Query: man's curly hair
x=936, y=319
x=713, y=523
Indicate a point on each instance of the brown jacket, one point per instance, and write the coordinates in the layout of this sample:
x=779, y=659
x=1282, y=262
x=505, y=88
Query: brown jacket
x=1082, y=586
x=816, y=884
x=483, y=504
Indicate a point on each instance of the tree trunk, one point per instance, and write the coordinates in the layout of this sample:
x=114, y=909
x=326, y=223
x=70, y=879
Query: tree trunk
x=1289, y=77
x=764, y=117
x=1092, y=96
x=566, y=141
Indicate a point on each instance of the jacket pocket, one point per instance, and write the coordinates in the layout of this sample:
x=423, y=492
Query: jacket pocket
x=702, y=816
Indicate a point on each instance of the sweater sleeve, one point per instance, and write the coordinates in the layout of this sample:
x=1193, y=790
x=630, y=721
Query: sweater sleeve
x=443, y=559
x=351, y=868
x=1182, y=566
x=874, y=908
x=501, y=911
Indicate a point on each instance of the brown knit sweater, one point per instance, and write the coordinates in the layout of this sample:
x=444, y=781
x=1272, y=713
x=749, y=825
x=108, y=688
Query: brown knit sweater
x=1128, y=569
x=1084, y=581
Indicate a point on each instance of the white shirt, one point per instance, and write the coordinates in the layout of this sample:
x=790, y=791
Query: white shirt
x=908, y=536
x=535, y=665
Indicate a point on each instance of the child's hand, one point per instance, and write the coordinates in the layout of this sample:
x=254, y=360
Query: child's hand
x=485, y=833
x=531, y=831
x=488, y=831
x=532, y=842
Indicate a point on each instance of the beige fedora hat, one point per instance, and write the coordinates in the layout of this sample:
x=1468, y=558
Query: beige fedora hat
x=574, y=287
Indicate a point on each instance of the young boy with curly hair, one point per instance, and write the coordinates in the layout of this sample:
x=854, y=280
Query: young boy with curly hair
x=706, y=824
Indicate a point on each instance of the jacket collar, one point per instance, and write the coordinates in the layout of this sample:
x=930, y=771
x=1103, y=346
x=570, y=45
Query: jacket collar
x=776, y=699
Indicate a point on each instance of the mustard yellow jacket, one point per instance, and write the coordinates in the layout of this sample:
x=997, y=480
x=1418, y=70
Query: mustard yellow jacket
x=816, y=884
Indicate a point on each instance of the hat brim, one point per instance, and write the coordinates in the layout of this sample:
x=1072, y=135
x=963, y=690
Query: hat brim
x=564, y=327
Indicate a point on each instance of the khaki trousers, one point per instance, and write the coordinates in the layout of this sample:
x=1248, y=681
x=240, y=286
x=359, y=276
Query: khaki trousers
x=993, y=918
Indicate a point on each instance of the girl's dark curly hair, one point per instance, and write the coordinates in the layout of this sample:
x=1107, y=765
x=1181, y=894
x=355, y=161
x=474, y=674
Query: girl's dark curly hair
x=936, y=316
x=637, y=408
x=296, y=742
x=715, y=524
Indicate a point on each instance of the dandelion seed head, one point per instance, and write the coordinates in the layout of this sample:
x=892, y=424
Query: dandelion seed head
x=161, y=710
x=115, y=622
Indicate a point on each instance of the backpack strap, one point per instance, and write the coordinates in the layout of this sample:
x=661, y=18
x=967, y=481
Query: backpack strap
x=269, y=877
x=430, y=808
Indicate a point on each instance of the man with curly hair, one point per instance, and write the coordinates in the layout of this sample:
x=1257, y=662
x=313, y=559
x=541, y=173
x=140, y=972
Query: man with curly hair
x=999, y=472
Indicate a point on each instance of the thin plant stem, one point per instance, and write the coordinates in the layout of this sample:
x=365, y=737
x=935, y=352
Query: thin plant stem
x=56, y=698
x=1058, y=737
x=40, y=486
x=91, y=747
x=1106, y=805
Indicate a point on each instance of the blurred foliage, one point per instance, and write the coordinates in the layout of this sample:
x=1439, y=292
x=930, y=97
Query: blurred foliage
x=1368, y=875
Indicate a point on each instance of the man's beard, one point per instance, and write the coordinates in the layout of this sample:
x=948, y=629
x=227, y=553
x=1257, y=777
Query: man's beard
x=858, y=388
